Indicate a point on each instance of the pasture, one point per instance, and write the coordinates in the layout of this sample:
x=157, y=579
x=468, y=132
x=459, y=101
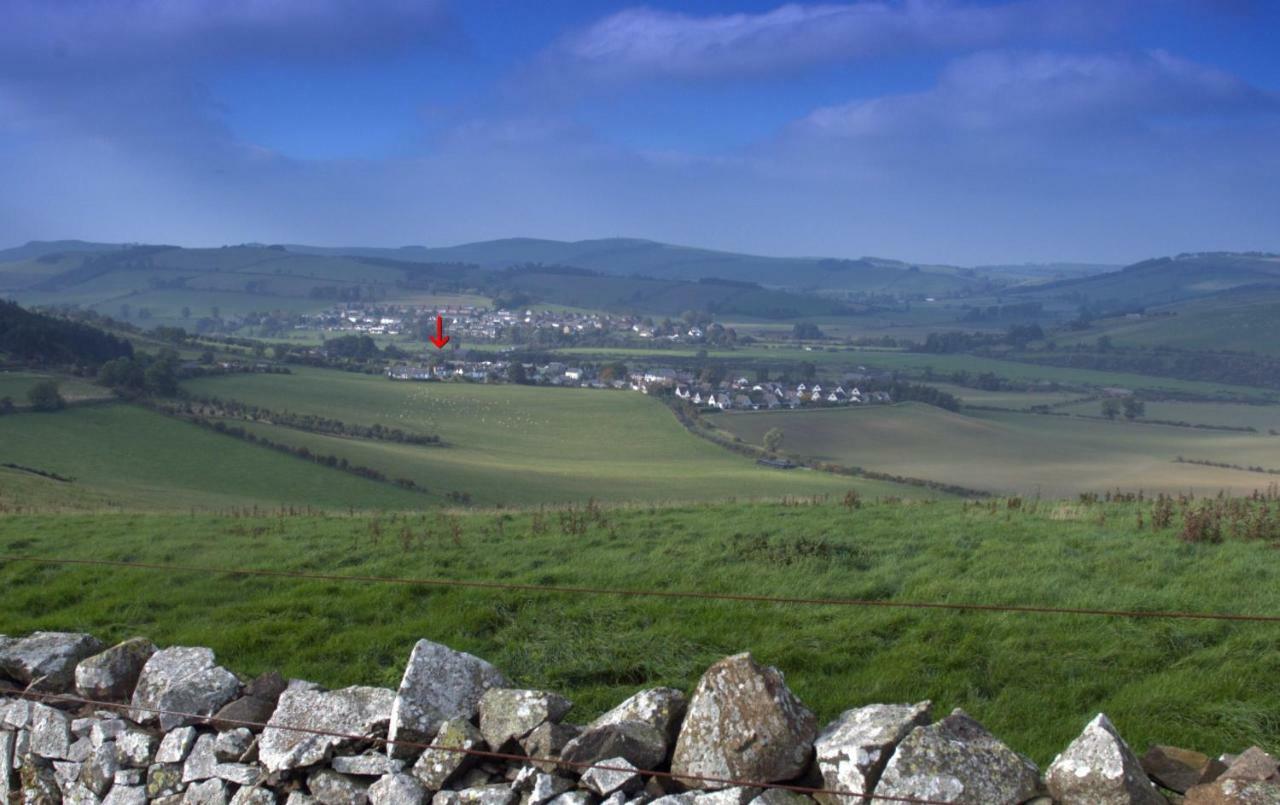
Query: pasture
x=1033, y=679
x=1018, y=453
x=522, y=444
x=16, y=385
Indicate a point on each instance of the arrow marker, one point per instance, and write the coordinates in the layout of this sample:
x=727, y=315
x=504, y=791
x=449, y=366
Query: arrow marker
x=439, y=339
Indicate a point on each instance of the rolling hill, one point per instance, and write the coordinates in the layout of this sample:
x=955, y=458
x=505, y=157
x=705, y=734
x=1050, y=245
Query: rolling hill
x=1166, y=280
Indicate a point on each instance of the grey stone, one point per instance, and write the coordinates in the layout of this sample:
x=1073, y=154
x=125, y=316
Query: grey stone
x=21, y=747
x=254, y=795
x=643, y=745
x=39, y=786
x=613, y=774
x=673, y=799
x=507, y=714
x=7, y=740
x=18, y=714
x=357, y=710
x=65, y=771
x=80, y=750
x=126, y=795
x=548, y=741
x=367, y=765
x=107, y=730
x=208, y=792
x=487, y=795
x=737, y=795
x=47, y=659
x=546, y=787
x=616, y=798
x=131, y=776
x=299, y=798
x=243, y=712
x=182, y=680
x=330, y=788
x=74, y=793
x=438, y=684
x=743, y=723
x=232, y=745
x=81, y=727
x=1252, y=765
x=112, y=674
x=240, y=773
x=201, y=761
x=98, y=773
x=574, y=798
x=164, y=779
x=175, y=745
x=956, y=760
x=438, y=765
x=1234, y=792
x=661, y=708
x=172, y=799
x=852, y=751
x=397, y=789
x=136, y=748
x=781, y=796
x=1098, y=768
x=50, y=732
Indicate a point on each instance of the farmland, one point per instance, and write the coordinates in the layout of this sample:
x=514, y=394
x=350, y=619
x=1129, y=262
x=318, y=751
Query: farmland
x=1033, y=679
x=521, y=444
x=17, y=384
x=1017, y=453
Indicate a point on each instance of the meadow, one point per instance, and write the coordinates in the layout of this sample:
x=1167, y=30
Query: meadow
x=16, y=385
x=521, y=444
x=1262, y=418
x=1009, y=452
x=1034, y=679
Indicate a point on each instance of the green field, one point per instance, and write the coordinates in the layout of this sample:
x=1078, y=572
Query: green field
x=121, y=455
x=1033, y=679
x=1016, y=400
x=523, y=444
x=17, y=384
x=1262, y=418
x=1017, y=453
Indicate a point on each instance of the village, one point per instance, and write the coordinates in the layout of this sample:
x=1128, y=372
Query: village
x=732, y=393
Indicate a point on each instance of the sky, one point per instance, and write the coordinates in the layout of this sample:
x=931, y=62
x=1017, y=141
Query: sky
x=937, y=131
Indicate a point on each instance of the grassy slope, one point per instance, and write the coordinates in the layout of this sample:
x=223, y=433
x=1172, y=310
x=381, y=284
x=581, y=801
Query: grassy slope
x=1261, y=417
x=17, y=384
x=524, y=444
x=1242, y=322
x=1023, y=453
x=1035, y=680
x=127, y=456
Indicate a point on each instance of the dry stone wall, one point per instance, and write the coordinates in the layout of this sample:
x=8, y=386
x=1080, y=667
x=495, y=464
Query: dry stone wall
x=83, y=723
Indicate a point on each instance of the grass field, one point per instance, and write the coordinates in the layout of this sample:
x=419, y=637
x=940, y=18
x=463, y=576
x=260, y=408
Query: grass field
x=524, y=444
x=1034, y=679
x=120, y=455
x=1017, y=453
x=1016, y=400
x=1261, y=417
x=17, y=384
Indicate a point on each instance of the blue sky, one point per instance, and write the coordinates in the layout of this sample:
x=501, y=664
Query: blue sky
x=928, y=130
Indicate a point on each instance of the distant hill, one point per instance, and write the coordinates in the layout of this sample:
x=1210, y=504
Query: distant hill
x=631, y=256
x=1166, y=280
x=39, y=248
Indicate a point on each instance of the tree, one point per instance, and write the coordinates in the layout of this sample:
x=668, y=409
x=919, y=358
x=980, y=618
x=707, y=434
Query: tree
x=186, y=312
x=1111, y=408
x=516, y=373
x=7, y=406
x=1134, y=408
x=44, y=396
x=772, y=440
x=806, y=330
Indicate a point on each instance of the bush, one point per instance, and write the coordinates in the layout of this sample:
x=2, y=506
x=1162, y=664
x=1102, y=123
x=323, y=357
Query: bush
x=44, y=396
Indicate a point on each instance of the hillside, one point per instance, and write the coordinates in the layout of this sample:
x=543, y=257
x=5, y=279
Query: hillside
x=631, y=256
x=1167, y=279
x=1240, y=320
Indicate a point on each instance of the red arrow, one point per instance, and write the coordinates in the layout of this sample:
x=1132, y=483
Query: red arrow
x=439, y=339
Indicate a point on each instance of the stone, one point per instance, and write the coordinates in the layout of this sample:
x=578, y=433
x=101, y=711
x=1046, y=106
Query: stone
x=573, y=798
x=136, y=748
x=487, y=795
x=355, y=710
x=508, y=714
x=743, y=723
x=74, y=793
x=781, y=796
x=1234, y=792
x=21, y=747
x=548, y=741
x=438, y=684
x=545, y=787
x=299, y=798
x=1253, y=765
x=201, y=761
x=46, y=661
x=175, y=745
x=616, y=798
x=112, y=674
x=240, y=773
x=164, y=779
x=643, y=745
x=956, y=760
x=737, y=795
x=368, y=765
x=18, y=714
x=7, y=740
x=661, y=708
x=397, y=789
x=39, y=786
x=232, y=745
x=852, y=751
x=81, y=727
x=182, y=680
x=246, y=711
x=1098, y=768
x=98, y=773
x=130, y=776
x=80, y=750
x=66, y=771
x=208, y=792
x=330, y=788
x=673, y=799
x=443, y=761
x=107, y=730
x=50, y=732
x=613, y=774
x=1180, y=769
x=126, y=795
x=254, y=795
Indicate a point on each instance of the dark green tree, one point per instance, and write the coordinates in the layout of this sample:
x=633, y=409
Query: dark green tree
x=45, y=396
